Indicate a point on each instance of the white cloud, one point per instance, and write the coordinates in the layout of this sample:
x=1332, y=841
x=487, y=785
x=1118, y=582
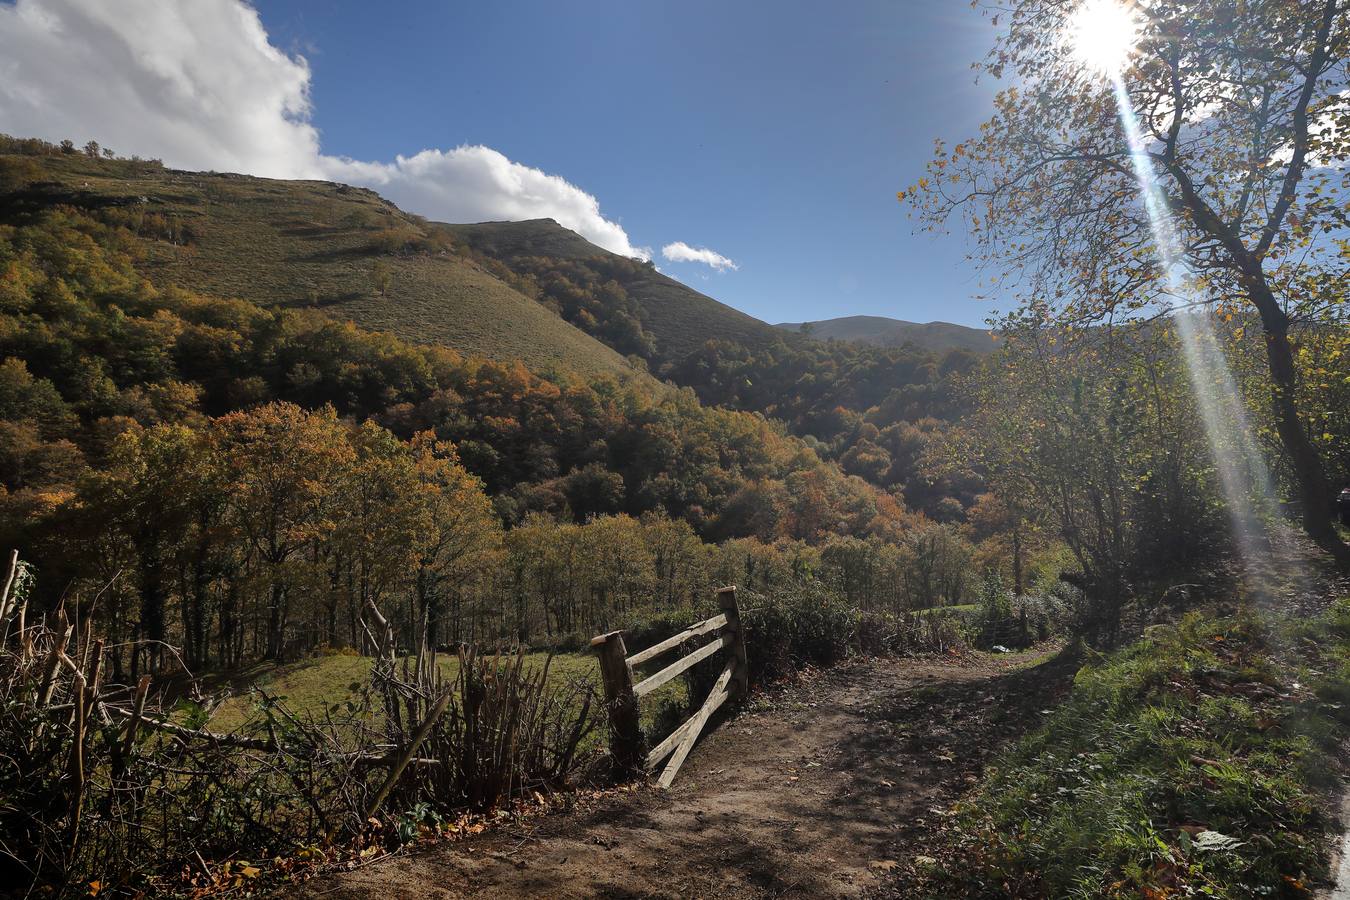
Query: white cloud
x=200, y=85
x=196, y=83
x=474, y=184
x=682, y=252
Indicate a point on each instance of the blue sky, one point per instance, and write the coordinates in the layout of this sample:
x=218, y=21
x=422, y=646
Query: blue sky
x=776, y=134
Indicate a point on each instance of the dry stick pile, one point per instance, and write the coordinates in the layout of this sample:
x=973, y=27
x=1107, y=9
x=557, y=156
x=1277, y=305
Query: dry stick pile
x=102, y=783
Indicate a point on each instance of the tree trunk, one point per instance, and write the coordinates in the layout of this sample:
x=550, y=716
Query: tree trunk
x=274, y=623
x=152, y=602
x=201, y=579
x=228, y=615
x=1314, y=488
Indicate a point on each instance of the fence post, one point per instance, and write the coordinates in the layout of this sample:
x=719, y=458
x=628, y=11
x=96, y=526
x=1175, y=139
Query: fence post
x=726, y=599
x=625, y=734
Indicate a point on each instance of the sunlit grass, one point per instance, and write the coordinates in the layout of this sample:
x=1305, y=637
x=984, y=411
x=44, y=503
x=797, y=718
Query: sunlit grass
x=1197, y=759
x=311, y=687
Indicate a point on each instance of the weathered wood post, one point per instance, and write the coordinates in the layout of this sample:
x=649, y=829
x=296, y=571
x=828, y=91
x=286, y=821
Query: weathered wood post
x=726, y=599
x=625, y=733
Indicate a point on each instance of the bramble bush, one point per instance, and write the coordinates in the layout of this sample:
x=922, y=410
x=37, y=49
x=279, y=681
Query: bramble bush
x=106, y=787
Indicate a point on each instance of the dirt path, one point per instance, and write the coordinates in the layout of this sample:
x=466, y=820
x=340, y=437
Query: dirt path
x=817, y=792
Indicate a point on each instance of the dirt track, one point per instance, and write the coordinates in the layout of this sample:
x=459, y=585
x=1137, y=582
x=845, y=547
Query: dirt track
x=819, y=791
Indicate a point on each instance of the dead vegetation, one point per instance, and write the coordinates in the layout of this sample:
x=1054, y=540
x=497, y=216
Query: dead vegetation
x=111, y=787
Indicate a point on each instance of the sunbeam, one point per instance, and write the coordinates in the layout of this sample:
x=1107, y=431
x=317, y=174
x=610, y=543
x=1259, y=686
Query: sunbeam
x=1104, y=33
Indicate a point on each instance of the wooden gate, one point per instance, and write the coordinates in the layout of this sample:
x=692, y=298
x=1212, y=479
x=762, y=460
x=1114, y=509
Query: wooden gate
x=622, y=696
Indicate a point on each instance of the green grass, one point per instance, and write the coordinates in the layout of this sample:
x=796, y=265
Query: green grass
x=963, y=608
x=309, y=243
x=1194, y=763
x=309, y=687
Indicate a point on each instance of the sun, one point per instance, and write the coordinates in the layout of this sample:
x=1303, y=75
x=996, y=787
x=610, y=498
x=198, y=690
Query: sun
x=1103, y=34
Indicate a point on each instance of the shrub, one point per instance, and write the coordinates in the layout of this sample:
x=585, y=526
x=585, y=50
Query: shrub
x=936, y=631
x=800, y=623
x=105, y=789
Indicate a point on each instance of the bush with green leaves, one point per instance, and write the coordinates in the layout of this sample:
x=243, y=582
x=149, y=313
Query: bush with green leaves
x=797, y=625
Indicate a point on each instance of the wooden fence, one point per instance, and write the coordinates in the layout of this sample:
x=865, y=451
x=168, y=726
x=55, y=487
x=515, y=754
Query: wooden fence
x=622, y=696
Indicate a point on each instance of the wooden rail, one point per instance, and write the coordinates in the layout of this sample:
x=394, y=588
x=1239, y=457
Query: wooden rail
x=622, y=695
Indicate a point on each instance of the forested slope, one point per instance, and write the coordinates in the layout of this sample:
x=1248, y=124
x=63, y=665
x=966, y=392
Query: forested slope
x=678, y=318
x=882, y=331
x=263, y=471
x=295, y=244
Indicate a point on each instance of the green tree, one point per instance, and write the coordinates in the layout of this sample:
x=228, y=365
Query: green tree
x=1091, y=431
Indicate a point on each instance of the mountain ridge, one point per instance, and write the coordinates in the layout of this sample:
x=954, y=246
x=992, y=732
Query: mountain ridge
x=341, y=250
x=883, y=331
x=680, y=318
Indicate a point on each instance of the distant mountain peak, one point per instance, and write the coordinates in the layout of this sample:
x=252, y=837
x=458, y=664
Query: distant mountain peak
x=881, y=331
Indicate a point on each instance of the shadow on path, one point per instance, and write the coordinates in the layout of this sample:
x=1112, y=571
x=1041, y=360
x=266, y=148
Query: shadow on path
x=814, y=792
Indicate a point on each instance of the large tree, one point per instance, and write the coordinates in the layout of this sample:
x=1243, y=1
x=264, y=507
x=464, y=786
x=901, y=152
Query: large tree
x=1245, y=111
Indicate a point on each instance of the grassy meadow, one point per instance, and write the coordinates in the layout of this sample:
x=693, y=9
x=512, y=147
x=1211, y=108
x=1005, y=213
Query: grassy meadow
x=309, y=687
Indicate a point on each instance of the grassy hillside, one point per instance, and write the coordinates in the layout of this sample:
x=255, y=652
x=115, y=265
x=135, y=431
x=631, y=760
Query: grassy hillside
x=1199, y=761
x=679, y=318
x=297, y=243
x=881, y=331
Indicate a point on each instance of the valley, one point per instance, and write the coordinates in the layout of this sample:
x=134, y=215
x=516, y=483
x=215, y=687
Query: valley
x=405, y=489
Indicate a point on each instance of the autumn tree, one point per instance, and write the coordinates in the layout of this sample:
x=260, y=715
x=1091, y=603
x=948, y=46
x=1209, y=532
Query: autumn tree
x=458, y=534
x=1091, y=433
x=1245, y=114
x=283, y=467
x=144, y=496
x=382, y=276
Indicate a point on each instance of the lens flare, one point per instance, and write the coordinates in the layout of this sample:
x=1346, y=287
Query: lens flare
x=1243, y=476
x=1103, y=34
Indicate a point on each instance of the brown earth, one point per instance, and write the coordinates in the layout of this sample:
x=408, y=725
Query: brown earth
x=818, y=791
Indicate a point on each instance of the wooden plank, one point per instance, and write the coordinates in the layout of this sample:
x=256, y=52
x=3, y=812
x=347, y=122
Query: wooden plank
x=692, y=631
x=715, y=699
x=625, y=738
x=663, y=749
x=726, y=598
x=646, y=686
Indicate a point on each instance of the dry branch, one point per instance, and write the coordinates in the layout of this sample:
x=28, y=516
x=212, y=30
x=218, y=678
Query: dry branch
x=406, y=756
